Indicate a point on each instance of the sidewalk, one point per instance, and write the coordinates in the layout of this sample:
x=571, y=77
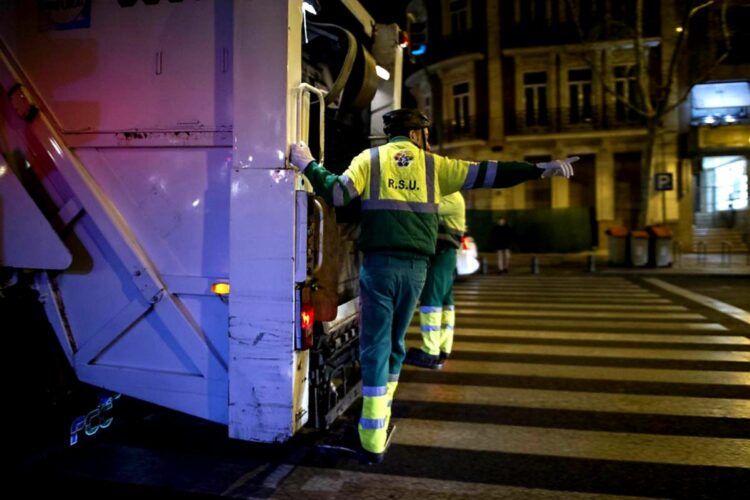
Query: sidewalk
x=572, y=263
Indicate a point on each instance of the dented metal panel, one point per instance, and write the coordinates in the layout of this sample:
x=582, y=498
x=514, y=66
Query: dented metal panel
x=266, y=374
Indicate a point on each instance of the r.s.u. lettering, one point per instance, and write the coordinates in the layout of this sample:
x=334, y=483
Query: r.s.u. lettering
x=403, y=184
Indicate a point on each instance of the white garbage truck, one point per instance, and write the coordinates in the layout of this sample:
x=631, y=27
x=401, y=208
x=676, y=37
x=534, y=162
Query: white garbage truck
x=147, y=199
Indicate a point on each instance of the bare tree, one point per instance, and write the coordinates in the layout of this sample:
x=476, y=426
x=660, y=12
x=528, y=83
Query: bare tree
x=657, y=92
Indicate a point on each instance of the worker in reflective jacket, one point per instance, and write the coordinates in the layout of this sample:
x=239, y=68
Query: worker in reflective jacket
x=437, y=315
x=401, y=184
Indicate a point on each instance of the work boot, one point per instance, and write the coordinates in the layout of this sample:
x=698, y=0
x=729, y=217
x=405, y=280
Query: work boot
x=370, y=458
x=418, y=357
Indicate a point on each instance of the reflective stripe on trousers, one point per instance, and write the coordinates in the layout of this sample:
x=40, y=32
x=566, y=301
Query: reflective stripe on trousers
x=446, y=330
x=430, y=318
x=376, y=415
x=436, y=325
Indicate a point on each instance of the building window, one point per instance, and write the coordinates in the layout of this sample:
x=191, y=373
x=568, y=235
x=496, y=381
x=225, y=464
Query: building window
x=533, y=11
x=579, y=86
x=724, y=183
x=535, y=98
x=626, y=89
x=459, y=15
x=461, y=97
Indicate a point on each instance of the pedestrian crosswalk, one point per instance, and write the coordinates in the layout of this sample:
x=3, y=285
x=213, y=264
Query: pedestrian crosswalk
x=557, y=388
x=567, y=386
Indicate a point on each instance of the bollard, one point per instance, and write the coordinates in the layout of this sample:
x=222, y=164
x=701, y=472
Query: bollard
x=534, y=264
x=701, y=251
x=590, y=264
x=484, y=265
x=726, y=253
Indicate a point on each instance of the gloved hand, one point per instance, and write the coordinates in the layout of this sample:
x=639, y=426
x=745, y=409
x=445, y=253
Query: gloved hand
x=301, y=156
x=562, y=168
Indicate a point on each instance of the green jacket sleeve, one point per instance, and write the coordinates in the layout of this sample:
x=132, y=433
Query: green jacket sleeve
x=455, y=175
x=336, y=190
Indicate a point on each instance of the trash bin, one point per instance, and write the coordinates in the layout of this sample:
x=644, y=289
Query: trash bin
x=638, y=248
x=659, y=246
x=617, y=239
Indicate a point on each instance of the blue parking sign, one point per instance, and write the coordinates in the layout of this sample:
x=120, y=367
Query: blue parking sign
x=663, y=181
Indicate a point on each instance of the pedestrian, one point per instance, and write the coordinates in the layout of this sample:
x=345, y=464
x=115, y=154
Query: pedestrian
x=732, y=216
x=437, y=314
x=400, y=184
x=502, y=240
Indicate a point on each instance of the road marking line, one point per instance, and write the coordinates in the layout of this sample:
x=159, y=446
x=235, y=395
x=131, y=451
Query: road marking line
x=582, y=306
x=574, y=400
x=602, y=352
x=702, y=377
x=341, y=483
x=717, y=305
x=656, y=326
x=597, y=445
x=502, y=311
x=462, y=331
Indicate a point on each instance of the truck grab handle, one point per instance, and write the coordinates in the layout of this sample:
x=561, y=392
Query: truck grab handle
x=317, y=207
x=309, y=89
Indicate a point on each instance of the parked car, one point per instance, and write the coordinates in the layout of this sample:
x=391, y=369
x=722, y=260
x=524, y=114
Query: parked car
x=467, y=258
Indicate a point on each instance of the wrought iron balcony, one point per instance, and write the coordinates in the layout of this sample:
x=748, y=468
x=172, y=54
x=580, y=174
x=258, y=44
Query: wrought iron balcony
x=473, y=127
x=555, y=120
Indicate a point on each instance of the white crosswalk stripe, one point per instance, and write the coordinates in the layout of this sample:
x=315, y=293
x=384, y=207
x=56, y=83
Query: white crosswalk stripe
x=591, y=401
x=718, y=452
x=520, y=335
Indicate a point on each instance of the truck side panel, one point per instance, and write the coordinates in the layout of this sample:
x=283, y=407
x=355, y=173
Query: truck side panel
x=145, y=67
x=145, y=214
x=267, y=377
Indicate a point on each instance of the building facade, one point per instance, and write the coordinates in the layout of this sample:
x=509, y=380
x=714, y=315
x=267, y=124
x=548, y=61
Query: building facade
x=538, y=79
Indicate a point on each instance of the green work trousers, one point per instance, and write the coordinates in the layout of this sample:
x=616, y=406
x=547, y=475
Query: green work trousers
x=389, y=289
x=436, y=307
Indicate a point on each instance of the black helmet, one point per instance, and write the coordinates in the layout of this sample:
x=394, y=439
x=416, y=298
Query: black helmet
x=400, y=121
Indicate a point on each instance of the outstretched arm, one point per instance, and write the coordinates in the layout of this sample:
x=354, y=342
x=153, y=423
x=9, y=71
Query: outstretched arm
x=458, y=174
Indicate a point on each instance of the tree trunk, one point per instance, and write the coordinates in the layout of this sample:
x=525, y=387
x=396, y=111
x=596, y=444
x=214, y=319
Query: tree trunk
x=647, y=156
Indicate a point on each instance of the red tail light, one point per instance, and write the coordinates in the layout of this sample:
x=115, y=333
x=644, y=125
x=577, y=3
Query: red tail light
x=307, y=316
x=306, y=321
x=465, y=242
x=403, y=39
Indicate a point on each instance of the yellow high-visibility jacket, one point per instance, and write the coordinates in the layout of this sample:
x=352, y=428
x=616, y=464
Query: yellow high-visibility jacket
x=451, y=220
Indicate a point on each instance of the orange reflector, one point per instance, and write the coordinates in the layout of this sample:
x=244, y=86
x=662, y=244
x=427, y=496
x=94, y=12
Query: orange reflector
x=220, y=288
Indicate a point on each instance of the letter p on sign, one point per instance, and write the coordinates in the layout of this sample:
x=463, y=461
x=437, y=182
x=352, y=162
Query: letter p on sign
x=663, y=182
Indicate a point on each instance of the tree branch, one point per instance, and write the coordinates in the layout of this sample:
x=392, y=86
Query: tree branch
x=603, y=77
x=727, y=37
x=641, y=71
